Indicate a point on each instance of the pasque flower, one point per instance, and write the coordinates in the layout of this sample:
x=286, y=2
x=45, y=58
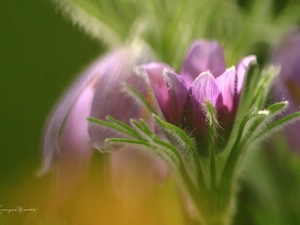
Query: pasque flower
x=69, y=139
x=203, y=78
x=287, y=85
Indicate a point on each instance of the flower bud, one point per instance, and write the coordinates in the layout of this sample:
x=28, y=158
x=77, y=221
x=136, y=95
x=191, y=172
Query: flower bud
x=69, y=139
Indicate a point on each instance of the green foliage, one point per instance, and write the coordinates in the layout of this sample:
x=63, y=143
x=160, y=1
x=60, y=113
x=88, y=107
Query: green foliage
x=169, y=26
x=270, y=186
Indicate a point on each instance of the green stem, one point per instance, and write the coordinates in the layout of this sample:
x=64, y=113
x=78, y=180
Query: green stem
x=213, y=173
x=225, y=187
x=199, y=199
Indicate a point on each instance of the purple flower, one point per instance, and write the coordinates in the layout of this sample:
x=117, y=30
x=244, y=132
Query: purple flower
x=203, y=78
x=69, y=139
x=287, y=84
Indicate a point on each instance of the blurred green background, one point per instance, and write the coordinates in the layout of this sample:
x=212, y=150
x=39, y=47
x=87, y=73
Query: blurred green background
x=41, y=53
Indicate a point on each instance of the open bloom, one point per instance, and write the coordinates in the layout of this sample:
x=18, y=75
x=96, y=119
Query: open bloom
x=203, y=79
x=287, y=84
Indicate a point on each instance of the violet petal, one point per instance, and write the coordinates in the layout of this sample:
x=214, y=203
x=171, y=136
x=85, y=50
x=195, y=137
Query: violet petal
x=177, y=93
x=241, y=71
x=54, y=124
x=287, y=55
x=112, y=99
x=202, y=56
x=226, y=83
x=204, y=88
x=155, y=73
x=75, y=147
x=170, y=90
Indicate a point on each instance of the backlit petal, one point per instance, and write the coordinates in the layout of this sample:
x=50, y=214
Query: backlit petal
x=226, y=83
x=202, y=56
x=155, y=73
x=205, y=88
x=112, y=99
x=54, y=124
x=75, y=148
x=194, y=119
x=177, y=93
x=242, y=69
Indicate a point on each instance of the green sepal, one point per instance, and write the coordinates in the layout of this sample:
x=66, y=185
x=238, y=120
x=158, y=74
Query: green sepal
x=186, y=147
x=277, y=126
x=115, y=125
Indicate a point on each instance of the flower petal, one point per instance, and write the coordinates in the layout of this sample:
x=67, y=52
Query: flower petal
x=287, y=55
x=241, y=71
x=169, y=88
x=75, y=147
x=226, y=83
x=204, y=88
x=155, y=73
x=66, y=141
x=203, y=55
x=177, y=93
x=112, y=99
x=287, y=83
x=54, y=125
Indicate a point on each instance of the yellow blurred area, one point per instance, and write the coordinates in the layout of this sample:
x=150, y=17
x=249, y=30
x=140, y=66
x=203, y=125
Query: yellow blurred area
x=94, y=202
x=97, y=206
